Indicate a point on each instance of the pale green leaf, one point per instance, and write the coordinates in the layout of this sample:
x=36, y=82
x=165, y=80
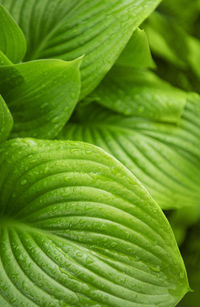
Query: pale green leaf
x=41, y=95
x=137, y=52
x=78, y=229
x=66, y=29
x=12, y=41
x=165, y=157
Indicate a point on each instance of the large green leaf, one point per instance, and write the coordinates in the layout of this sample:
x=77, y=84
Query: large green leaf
x=6, y=121
x=41, y=95
x=165, y=157
x=98, y=29
x=12, y=41
x=140, y=93
x=78, y=229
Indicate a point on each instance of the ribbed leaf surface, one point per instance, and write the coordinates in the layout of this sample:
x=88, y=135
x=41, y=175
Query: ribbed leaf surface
x=165, y=157
x=77, y=229
x=6, y=120
x=98, y=29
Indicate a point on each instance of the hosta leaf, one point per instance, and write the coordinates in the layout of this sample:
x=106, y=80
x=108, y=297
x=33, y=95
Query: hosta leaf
x=98, y=29
x=137, y=52
x=165, y=157
x=6, y=120
x=12, y=41
x=140, y=93
x=41, y=95
x=78, y=229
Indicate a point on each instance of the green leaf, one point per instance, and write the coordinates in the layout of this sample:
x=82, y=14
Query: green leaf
x=78, y=229
x=4, y=60
x=194, y=54
x=137, y=52
x=185, y=17
x=98, y=29
x=175, y=50
x=182, y=219
x=6, y=121
x=164, y=157
x=12, y=41
x=140, y=93
x=41, y=95
x=191, y=253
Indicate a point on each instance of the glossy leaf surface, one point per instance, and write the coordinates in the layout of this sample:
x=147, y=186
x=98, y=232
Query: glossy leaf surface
x=78, y=229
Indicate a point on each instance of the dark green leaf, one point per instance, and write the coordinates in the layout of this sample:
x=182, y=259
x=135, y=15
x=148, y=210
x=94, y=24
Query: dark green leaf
x=191, y=254
x=12, y=41
x=167, y=39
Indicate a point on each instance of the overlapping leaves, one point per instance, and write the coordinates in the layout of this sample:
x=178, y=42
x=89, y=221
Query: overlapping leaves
x=41, y=95
x=66, y=29
x=191, y=252
x=6, y=120
x=12, y=41
x=174, y=40
x=165, y=157
x=76, y=227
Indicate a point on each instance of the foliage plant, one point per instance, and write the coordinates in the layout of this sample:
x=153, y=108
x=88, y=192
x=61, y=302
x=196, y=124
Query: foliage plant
x=99, y=133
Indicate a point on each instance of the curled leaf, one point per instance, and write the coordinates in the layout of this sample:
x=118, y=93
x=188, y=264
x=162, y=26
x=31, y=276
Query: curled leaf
x=41, y=95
